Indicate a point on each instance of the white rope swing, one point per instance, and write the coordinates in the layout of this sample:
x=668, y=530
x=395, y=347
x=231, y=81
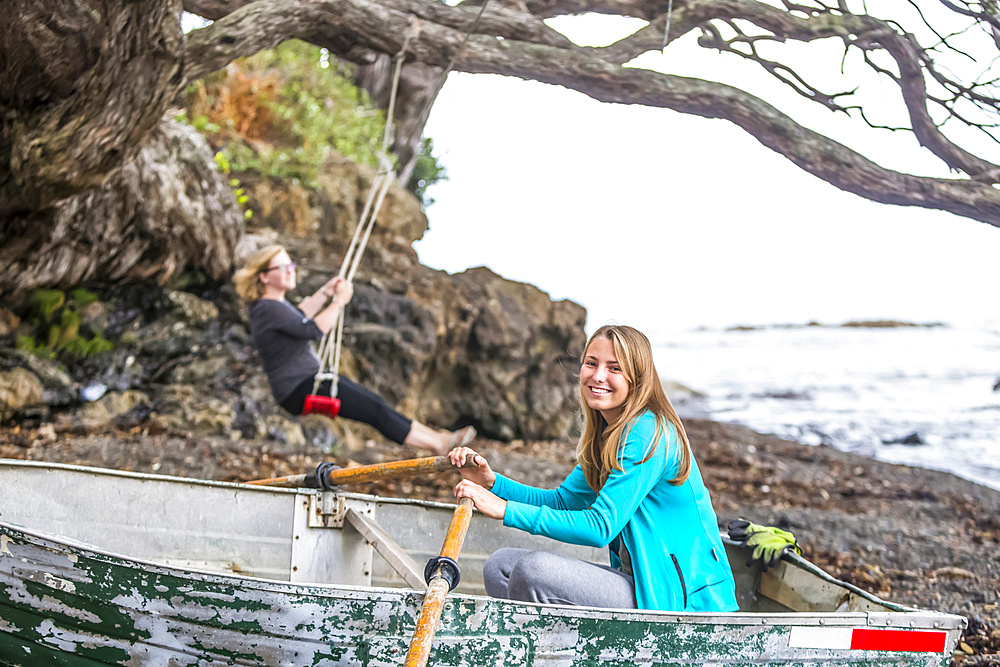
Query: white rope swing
x=330, y=345
x=329, y=352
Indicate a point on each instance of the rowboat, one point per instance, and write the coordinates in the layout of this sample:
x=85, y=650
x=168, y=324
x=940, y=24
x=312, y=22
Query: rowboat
x=109, y=567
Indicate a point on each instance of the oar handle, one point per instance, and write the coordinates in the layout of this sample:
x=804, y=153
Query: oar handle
x=438, y=587
x=327, y=476
x=459, y=526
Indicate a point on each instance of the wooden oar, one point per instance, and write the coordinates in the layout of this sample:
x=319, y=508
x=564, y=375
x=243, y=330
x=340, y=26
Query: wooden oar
x=439, y=586
x=330, y=476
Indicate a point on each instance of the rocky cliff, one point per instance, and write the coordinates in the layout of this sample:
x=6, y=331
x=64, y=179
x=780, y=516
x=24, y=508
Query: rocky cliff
x=471, y=348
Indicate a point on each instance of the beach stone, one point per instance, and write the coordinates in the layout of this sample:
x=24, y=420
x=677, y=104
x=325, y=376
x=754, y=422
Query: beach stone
x=910, y=439
x=93, y=392
x=201, y=371
x=119, y=403
x=255, y=387
x=48, y=372
x=186, y=408
x=954, y=573
x=9, y=322
x=320, y=432
x=193, y=310
x=214, y=416
x=102, y=412
x=688, y=402
x=90, y=416
x=247, y=418
x=95, y=316
x=163, y=339
x=678, y=391
x=285, y=430
x=19, y=388
x=121, y=370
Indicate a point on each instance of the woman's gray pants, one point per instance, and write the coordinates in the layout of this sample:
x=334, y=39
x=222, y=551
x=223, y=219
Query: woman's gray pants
x=541, y=576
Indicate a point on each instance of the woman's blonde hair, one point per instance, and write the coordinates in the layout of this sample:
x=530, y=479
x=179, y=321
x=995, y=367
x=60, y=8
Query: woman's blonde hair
x=248, y=284
x=598, y=451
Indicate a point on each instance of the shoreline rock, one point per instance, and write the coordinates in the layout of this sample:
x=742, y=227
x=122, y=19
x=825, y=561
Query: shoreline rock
x=851, y=324
x=472, y=348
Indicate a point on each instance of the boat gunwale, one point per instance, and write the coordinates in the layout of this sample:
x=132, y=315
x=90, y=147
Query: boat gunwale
x=243, y=486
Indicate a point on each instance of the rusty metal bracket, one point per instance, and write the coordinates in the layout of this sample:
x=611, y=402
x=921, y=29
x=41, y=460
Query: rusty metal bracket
x=326, y=510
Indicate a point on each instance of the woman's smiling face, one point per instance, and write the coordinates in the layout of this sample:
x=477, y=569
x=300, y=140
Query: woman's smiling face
x=279, y=274
x=602, y=382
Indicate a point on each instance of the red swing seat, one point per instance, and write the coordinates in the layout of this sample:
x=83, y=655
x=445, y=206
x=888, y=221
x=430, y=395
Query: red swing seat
x=321, y=405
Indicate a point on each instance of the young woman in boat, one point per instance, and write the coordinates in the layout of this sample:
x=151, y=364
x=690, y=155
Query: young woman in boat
x=636, y=489
x=283, y=335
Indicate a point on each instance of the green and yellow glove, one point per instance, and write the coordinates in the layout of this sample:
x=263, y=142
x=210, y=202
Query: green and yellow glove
x=768, y=542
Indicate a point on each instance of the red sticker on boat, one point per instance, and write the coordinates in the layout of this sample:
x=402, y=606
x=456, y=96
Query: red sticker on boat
x=868, y=639
x=898, y=640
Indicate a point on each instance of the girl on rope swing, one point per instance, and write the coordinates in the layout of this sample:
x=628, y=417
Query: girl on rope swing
x=636, y=489
x=283, y=333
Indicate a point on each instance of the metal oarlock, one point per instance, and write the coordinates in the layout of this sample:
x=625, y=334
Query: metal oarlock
x=449, y=571
x=321, y=478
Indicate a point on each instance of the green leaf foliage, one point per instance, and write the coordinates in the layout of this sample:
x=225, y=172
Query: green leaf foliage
x=28, y=344
x=45, y=302
x=284, y=112
x=81, y=347
x=426, y=172
x=82, y=297
x=57, y=322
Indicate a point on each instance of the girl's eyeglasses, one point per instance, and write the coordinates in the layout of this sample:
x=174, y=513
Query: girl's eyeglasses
x=280, y=267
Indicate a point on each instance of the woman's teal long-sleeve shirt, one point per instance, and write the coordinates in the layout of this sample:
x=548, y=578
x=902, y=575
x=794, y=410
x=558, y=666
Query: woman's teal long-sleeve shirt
x=671, y=532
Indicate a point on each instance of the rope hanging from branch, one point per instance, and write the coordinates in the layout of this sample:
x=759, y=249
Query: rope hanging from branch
x=666, y=31
x=329, y=348
x=330, y=345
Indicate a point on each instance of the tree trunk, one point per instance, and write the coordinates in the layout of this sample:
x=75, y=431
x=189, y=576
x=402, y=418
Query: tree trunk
x=166, y=211
x=73, y=120
x=418, y=87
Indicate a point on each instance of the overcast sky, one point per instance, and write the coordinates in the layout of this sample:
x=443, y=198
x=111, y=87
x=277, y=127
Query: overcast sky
x=668, y=221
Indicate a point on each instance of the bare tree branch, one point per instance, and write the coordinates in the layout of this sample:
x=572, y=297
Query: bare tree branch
x=142, y=68
x=713, y=39
x=345, y=26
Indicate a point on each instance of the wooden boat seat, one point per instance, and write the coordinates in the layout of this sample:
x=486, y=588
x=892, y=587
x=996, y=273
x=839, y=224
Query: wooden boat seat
x=802, y=591
x=388, y=548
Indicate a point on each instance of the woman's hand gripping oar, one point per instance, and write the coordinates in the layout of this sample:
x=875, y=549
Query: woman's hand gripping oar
x=328, y=475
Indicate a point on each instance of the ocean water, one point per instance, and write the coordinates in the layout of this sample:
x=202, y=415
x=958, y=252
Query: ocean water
x=921, y=396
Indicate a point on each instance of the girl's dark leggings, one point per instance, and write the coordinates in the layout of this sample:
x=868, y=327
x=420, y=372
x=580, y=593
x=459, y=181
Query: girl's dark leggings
x=356, y=403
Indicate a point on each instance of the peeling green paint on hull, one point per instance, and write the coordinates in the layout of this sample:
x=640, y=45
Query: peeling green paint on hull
x=66, y=605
